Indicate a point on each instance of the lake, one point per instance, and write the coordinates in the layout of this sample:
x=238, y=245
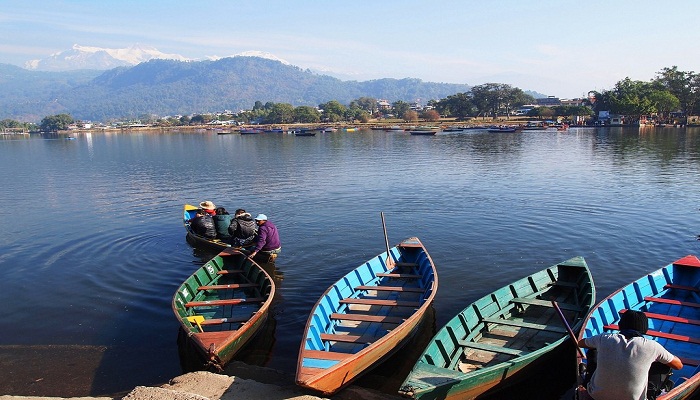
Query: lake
x=93, y=246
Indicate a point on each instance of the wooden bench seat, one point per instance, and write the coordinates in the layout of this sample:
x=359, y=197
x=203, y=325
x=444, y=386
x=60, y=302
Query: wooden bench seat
x=326, y=355
x=230, y=271
x=224, y=302
x=348, y=338
x=230, y=286
x=546, y=303
x=367, y=318
x=671, y=336
x=671, y=301
x=391, y=288
x=491, y=348
x=219, y=321
x=664, y=317
x=399, y=276
x=681, y=287
x=528, y=325
x=380, y=302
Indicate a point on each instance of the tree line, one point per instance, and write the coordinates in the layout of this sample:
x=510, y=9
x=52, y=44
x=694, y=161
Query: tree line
x=670, y=91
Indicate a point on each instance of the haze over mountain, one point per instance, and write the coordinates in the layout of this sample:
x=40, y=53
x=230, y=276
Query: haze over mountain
x=170, y=84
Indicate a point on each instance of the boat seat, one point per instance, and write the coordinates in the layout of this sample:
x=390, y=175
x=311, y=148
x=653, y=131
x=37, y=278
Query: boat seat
x=367, y=318
x=230, y=271
x=230, y=286
x=400, y=264
x=224, y=302
x=380, y=302
x=545, y=303
x=401, y=276
x=391, y=288
x=681, y=287
x=671, y=301
x=664, y=317
x=326, y=355
x=671, y=336
x=491, y=348
x=349, y=338
x=219, y=321
x=528, y=325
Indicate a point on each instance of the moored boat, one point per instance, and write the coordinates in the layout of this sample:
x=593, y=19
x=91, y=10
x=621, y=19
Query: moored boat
x=366, y=316
x=252, y=131
x=423, y=130
x=221, y=306
x=669, y=298
x=196, y=240
x=490, y=344
x=305, y=132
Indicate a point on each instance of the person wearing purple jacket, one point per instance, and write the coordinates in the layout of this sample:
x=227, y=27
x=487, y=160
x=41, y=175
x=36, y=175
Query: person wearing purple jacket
x=268, y=239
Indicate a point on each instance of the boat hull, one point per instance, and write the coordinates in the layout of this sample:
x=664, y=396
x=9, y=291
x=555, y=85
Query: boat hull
x=492, y=343
x=669, y=296
x=222, y=305
x=365, y=317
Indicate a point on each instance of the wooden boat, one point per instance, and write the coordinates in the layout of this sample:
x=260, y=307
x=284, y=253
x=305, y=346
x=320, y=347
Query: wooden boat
x=366, y=316
x=490, y=344
x=305, y=132
x=669, y=297
x=198, y=240
x=222, y=305
x=251, y=131
x=502, y=129
x=423, y=130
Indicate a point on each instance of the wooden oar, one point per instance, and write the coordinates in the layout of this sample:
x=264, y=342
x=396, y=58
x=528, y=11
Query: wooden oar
x=568, y=328
x=389, y=261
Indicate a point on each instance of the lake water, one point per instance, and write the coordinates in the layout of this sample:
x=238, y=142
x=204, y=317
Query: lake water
x=93, y=247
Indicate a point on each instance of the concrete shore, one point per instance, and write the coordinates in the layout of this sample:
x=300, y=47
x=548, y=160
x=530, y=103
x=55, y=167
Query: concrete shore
x=260, y=383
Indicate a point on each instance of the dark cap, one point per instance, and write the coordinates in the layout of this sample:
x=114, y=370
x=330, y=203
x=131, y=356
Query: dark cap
x=635, y=320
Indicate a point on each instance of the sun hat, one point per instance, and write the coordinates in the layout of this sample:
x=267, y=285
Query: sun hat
x=261, y=217
x=207, y=205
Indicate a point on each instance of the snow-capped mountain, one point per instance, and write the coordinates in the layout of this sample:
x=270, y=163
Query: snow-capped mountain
x=86, y=57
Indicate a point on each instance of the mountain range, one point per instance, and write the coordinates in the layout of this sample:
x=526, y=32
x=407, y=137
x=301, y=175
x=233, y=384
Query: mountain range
x=148, y=82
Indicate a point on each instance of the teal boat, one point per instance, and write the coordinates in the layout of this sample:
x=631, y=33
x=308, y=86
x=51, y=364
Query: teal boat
x=670, y=297
x=489, y=345
x=221, y=306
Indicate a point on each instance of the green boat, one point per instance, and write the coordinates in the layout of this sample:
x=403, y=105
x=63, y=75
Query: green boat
x=198, y=241
x=489, y=345
x=220, y=307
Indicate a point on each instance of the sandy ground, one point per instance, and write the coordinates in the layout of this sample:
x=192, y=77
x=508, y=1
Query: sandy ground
x=262, y=383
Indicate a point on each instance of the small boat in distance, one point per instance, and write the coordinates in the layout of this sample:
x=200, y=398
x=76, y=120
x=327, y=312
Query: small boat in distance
x=305, y=132
x=252, y=131
x=423, y=130
x=220, y=307
x=669, y=298
x=502, y=129
x=490, y=344
x=366, y=316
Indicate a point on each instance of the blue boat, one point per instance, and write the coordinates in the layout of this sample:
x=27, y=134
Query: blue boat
x=366, y=316
x=670, y=297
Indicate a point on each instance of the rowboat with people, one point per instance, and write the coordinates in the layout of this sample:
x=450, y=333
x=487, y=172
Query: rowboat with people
x=366, y=316
x=196, y=240
x=221, y=306
x=670, y=298
x=493, y=342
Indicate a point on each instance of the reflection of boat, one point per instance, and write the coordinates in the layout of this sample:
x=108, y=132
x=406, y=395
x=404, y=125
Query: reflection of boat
x=366, y=316
x=490, y=344
x=221, y=306
x=669, y=298
x=195, y=239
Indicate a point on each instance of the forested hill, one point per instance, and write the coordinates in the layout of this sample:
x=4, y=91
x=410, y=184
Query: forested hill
x=165, y=87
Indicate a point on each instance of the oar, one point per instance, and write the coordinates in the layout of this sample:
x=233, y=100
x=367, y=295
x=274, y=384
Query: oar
x=389, y=260
x=568, y=328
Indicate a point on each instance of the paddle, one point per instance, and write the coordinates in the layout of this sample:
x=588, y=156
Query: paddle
x=568, y=328
x=389, y=261
x=197, y=319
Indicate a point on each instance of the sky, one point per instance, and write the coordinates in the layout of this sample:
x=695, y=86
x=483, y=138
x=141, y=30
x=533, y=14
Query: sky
x=561, y=48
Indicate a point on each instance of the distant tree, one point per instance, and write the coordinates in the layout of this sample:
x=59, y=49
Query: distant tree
x=281, y=113
x=457, y=105
x=258, y=105
x=664, y=103
x=306, y=115
x=54, y=123
x=185, y=120
x=333, y=111
x=198, y=119
x=431, y=115
x=367, y=104
x=400, y=108
x=684, y=85
x=410, y=116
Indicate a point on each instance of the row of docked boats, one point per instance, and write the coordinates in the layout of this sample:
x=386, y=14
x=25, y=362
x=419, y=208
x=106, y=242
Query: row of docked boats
x=373, y=310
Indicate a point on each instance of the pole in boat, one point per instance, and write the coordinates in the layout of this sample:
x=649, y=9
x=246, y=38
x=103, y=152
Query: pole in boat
x=389, y=260
x=568, y=328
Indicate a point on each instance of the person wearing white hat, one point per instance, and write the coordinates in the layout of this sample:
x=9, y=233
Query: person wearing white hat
x=209, y=207
x=268, y=239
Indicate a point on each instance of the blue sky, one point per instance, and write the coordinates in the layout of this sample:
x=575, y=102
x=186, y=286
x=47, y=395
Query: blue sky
x=562, y=48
